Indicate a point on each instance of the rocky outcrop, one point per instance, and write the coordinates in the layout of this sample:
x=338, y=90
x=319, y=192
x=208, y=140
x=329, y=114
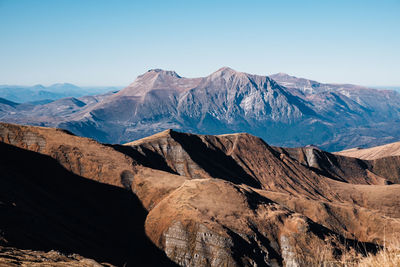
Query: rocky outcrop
x=197, y=246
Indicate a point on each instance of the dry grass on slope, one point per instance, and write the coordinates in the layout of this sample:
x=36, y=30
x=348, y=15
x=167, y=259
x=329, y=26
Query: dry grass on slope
x=388, y=256
x=392, y=149
x=82, y=156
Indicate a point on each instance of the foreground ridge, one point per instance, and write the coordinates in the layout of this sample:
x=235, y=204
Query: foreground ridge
x=190, y=199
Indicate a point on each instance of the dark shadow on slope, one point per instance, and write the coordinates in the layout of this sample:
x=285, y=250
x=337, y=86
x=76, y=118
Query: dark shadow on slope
x=86, y=128
x=243, y=249
x=214, y=161
x=150, y=158
x=387, y=167
x=336, y=167
x=363, y=248
x=8, y=102
x=43, y=207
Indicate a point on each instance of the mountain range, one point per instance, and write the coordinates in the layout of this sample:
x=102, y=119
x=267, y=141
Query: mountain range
x=282, y=109
x=39, y=94
x=181, y=199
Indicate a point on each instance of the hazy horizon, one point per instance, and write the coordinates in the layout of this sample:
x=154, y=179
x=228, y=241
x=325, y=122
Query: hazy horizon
x=380, y=87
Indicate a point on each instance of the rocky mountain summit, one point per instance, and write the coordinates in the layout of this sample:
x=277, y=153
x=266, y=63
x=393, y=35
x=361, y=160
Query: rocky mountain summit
x=176, y=198
x=282, y=109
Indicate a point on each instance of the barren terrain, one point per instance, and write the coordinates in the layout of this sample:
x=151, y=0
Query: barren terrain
x=191, y=200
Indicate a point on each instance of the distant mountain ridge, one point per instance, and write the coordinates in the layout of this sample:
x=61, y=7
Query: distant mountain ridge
x=35, y=94
x=284, y=110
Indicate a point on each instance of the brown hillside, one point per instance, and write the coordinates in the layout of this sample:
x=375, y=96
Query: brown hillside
x=384, y=160
x=340, y=193
x=202, y=200
x=45, y=207
x=377, y=152
x=82, y=156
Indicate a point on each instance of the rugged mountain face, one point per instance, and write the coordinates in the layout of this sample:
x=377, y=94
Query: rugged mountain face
x=282, y=109
x=366, y=113
x=225, y=101
x=202, y=200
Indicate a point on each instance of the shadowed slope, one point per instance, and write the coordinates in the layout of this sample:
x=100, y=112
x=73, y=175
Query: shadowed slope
x=299, y=172
x=340, y=168
x=210, y=200
x=192, y=156
x=46, y=207
x=387, y=167
x=384, y=160
x=246, y=159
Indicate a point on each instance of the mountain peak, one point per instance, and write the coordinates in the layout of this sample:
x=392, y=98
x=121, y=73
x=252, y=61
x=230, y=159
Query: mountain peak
x=163, y=134
x=157, y=79
x=63, y=85
x=164, y=72
x=226, y=70
x=281, y=74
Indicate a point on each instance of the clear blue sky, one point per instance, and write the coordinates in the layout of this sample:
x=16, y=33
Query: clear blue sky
x=111, y=42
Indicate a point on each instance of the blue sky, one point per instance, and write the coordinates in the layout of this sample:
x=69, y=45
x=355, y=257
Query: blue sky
x=111, y=42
